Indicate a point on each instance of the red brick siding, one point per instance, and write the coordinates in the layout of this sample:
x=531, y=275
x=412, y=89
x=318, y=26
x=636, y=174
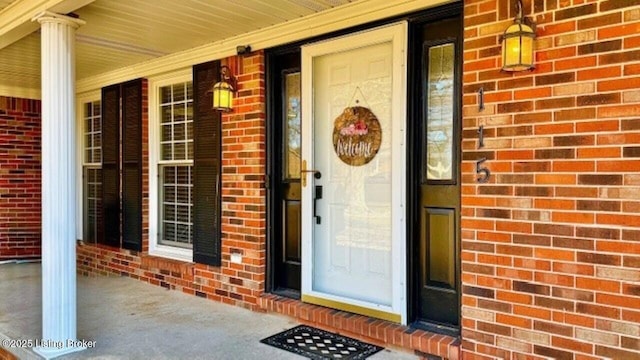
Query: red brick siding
x=243, y=209
x=20, y=178
x=551, y=245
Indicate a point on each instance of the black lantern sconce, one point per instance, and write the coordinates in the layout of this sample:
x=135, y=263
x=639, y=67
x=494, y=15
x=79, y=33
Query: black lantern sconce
x=224, y=89
x=518, y=43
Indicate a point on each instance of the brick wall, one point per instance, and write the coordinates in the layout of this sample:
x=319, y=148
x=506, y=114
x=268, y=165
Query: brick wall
x=243, y=209
x=20, y=178
x=551, y=245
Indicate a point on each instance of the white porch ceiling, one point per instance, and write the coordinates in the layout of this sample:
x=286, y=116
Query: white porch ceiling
x=121, y=33
x=5, y=3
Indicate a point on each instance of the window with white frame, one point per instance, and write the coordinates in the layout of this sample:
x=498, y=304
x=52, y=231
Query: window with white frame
x=91, y=170
x=175, y=165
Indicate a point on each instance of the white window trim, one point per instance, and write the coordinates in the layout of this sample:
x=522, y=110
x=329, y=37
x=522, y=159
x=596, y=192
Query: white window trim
x=155, y=84
x=81, y=100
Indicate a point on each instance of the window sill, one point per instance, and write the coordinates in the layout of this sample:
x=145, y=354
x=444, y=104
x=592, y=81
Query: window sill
x=185, y=255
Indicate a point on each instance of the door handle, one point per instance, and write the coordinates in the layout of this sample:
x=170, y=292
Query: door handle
x=317, y=196
x=303, y=173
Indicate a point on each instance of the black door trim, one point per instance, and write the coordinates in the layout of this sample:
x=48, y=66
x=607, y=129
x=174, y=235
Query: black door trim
x=414, y=156
x=274, y=131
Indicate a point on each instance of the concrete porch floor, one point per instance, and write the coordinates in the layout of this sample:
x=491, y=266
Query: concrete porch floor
x=129, y=319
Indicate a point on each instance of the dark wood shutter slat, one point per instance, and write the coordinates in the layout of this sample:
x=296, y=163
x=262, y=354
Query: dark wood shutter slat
x=132, y=165
x=207, y=241
x=110, y=166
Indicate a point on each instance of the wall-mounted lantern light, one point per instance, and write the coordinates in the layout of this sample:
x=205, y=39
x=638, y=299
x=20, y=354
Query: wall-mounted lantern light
x=223, y=90
x=518, y=44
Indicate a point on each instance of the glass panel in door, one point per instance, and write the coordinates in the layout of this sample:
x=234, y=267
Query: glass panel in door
x=292, y=126
x=440, y=165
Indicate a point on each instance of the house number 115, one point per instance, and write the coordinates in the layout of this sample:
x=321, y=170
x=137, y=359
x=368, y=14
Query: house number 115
x=483, y=173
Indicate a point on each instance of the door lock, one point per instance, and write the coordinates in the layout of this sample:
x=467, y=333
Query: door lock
x=303, y=173
x=317, y=196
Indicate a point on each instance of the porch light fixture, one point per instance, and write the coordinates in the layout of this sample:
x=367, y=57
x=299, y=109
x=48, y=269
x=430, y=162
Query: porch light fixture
x=224, y=89
x=518, y=44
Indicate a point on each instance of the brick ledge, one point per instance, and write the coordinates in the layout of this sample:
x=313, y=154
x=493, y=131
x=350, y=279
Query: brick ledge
x=362, y=327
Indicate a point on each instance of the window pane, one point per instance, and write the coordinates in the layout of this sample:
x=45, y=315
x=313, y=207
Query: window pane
x=183, y=175
x=166, y=133
x=169, y=233
x=97, y=146
x=165, y=114
x=180, y=151
x=190, y=130
x=169, y=212
x=166, y=152
x=165, y=94
x=179, y=132
x=190, y=111
x=439, y=152
x=87, y=146
x=182, y=194
x=96, y=108
x=169, y=174
x=189, y=90
x=179, y=113
x=97, y=126
x=183, y=234
x=182, y=213
x=179, y=92
x=97, y=140
x=190, y=150
x=292, y=126
x=92, y=197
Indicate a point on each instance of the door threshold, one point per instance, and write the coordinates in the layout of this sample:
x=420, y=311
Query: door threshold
x=436, y=328
x=286, y=292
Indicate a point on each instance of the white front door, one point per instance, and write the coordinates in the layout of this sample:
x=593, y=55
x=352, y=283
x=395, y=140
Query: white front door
x=353, y=120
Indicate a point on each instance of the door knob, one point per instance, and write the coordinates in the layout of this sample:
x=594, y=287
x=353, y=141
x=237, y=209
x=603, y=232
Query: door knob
x=303, y=173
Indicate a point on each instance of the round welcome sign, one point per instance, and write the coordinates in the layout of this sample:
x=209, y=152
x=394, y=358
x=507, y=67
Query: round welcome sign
x=356, y=135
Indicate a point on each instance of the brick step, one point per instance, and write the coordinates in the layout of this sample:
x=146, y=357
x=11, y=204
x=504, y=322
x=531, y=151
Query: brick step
x=364, y=328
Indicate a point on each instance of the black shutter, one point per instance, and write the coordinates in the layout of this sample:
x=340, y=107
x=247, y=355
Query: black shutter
x=111, y=165
x=206, y=167
x=132, y=165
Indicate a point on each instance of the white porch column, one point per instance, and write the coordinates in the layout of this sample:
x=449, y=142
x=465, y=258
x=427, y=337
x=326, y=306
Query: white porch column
x=58, y=184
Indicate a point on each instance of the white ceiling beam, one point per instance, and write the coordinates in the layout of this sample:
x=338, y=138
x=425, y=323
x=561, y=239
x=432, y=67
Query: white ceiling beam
x=19, y=92
x=15, y=19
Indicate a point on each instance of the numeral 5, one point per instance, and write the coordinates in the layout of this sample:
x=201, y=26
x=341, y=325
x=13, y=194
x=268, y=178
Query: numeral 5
x=484, y=173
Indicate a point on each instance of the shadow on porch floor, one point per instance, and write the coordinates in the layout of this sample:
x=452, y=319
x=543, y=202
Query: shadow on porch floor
x=129, y=319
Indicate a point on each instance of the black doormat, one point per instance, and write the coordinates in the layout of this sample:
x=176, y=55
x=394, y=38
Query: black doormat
x=318, y=344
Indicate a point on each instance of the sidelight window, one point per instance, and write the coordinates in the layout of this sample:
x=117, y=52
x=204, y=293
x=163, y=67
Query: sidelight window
x=440, y=104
